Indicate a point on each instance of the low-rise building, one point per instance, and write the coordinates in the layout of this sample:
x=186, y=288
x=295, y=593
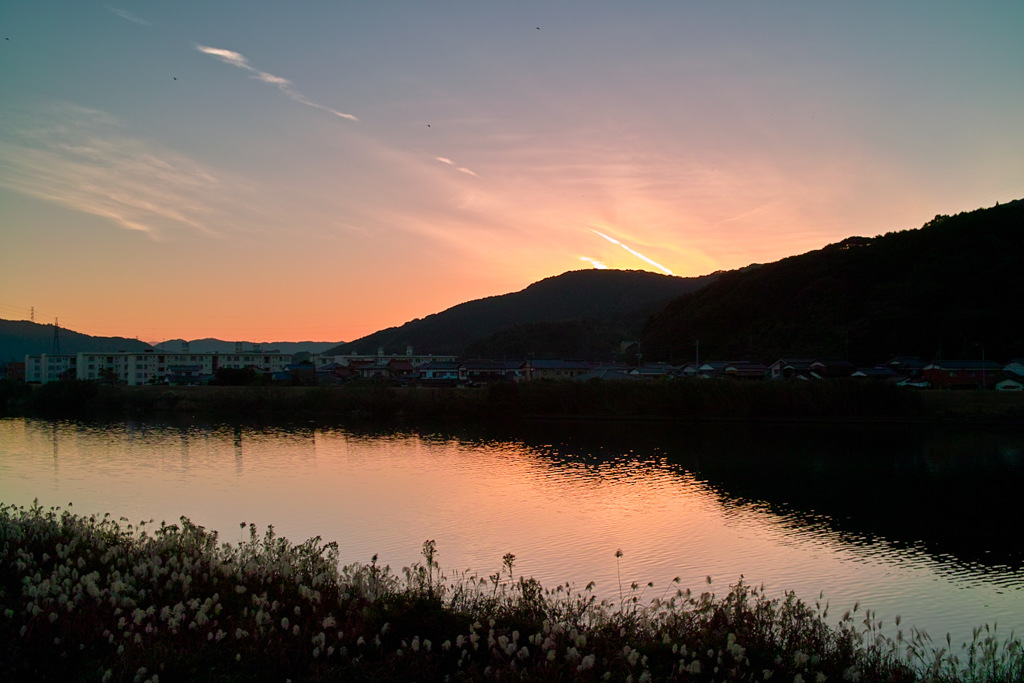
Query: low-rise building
x=746, y=370
x=414, y=359
x=155, y=366
x=45, y=368
x=555, y=369
x=962, y=374
x=440, y=373
x=654, y=371
x=14, y=371
x=831, y=368
x=791, y=368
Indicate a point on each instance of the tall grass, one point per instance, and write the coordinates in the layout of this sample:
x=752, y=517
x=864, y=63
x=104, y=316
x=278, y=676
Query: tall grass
x=91, y=598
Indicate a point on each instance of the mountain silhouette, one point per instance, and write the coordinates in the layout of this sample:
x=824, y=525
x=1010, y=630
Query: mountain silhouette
x=952, y=288
x=618, y=299
x=20, y=338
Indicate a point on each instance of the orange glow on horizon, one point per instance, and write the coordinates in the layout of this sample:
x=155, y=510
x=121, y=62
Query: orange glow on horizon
x=324, y=175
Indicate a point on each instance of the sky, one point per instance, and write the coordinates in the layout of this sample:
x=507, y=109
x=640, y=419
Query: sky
x=271, y=171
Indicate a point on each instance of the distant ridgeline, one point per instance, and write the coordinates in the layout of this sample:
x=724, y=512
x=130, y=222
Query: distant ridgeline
x=579, y=314
x=951, y=289
x=209, y=345
x=20, y=338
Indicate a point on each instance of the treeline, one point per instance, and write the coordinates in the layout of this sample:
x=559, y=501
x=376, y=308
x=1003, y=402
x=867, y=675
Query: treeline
x=676, y=400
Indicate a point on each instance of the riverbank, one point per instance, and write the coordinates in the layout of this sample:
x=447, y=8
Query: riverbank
x=93, y=599
x=684, y=400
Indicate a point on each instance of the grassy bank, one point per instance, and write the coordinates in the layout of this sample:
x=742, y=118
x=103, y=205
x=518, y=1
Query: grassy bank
x=91, y=599
x=676, y=400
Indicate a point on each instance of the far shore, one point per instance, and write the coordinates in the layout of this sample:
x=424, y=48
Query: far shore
x=838, y=401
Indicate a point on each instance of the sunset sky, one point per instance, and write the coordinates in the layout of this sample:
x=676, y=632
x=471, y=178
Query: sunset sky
x=275, y=171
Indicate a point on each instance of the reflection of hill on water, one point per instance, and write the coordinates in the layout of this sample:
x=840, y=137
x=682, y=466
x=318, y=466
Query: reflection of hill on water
x=950, y=493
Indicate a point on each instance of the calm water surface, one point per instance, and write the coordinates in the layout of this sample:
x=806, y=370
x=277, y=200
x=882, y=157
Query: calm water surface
x=923, y=524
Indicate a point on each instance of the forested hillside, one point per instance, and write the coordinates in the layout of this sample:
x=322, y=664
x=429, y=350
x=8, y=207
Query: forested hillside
x=951, y=289
x=20, y=338
x=618, y=299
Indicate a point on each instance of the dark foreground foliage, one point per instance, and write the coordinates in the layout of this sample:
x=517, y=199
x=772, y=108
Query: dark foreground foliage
x=688, y=399
x=91, y=599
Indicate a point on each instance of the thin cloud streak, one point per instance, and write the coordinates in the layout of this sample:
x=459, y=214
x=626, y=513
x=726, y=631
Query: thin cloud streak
x=634, y=252
x=599, y=265
x=460, y=169
x=128, y=16
x=81, y=159
x=283, y=84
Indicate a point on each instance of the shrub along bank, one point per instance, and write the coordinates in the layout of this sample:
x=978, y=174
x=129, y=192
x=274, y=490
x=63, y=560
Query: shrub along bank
x=92, y=599
x=836, y=400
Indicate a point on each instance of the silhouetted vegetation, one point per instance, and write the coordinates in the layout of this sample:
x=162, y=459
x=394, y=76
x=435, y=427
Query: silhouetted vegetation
x=589, y=339
x=622, y=299
x=950, y=289
x=235, y=377
x=13, y=397
x=89, y=599
x=702, y=399
x=66, y=398
x=666, y=400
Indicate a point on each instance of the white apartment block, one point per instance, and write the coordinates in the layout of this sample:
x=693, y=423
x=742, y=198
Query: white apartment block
x=146, y=367
x=44, y=368
x=149, y=367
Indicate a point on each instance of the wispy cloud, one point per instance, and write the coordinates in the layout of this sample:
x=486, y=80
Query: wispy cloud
x=460, y=169
x=84, y=160
x=283, y=84
x=597, y=264
x=634, y=252
x=128, y=16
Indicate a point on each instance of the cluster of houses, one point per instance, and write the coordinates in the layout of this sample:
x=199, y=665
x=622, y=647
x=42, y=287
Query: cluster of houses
x=156, y=366
x=904, y=371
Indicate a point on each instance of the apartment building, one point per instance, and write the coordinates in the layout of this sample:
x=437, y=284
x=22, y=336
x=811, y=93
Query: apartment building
x=153, y=366
x=46, y=368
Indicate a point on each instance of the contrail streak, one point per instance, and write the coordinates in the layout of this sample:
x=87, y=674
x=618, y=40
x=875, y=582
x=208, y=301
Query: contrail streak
x=634, y=252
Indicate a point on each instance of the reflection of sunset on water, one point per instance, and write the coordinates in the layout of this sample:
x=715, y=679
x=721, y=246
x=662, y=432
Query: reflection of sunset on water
x=561, y=509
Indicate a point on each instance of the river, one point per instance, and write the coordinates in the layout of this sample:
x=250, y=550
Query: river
x=918, y=522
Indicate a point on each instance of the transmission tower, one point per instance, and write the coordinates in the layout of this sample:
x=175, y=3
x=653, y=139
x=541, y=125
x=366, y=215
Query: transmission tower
x=55, y=350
